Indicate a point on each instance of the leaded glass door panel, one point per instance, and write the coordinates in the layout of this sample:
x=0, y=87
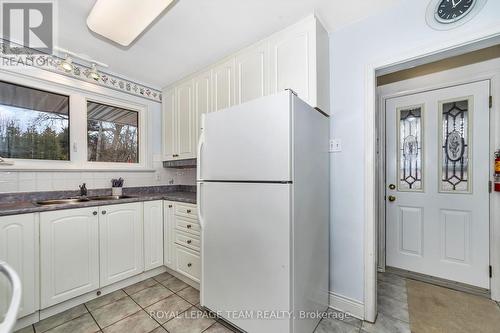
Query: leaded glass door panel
x=437, y=172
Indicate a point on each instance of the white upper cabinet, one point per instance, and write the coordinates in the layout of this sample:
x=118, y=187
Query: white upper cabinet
x=184, y=139
x=169, y=125
x=202, y=99
x=299, y=61
x=252, y=72
x=19, y=249
x=223, y=85
x=69, y=254
x=153, y=234
x=296, y=58
x=121, y=242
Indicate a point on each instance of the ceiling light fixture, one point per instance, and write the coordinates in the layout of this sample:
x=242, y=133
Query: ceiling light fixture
x=94, y=74
x=67, y=63
x=122, y=21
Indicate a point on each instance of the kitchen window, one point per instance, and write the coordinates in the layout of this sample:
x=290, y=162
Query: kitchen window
x=112, y=134
x=34, y=124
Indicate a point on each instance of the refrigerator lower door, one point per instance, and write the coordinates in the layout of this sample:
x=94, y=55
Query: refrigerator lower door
x=250, y=141
x=246, y=254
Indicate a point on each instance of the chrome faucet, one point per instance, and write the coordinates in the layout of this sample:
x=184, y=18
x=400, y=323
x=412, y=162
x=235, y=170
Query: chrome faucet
x=83, y=190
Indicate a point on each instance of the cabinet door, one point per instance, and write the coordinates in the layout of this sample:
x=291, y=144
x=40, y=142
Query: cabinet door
x=69, y=254
x=185, y=121
x=202, y=100
x=153, y=234
x=168, y=234
x=169, y=125
x=293, y=61
x=121, y=242
x=18, y=248
x=223, y=85
x=252, y=67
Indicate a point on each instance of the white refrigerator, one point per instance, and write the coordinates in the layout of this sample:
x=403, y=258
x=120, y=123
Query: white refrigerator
x=263, y=200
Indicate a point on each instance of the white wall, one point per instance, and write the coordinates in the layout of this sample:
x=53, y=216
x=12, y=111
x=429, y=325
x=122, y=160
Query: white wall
x=400, y=31
x=27, y=181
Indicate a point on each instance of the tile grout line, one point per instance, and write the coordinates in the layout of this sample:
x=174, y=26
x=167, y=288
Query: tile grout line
x=61, y=323
x=92, y=316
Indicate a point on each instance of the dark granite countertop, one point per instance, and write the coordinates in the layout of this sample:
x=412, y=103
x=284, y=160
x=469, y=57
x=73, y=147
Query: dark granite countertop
x=24, y=203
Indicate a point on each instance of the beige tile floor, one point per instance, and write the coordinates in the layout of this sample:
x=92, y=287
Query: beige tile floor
x=175, y=308
x=173, y=302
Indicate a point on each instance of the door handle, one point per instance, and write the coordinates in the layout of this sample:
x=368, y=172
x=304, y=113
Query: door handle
x=392, y=187
x=392, y=198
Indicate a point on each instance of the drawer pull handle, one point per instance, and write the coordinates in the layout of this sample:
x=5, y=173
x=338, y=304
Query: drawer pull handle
x=189, y=226
x=188, y=211
x=169, y=206
x=188, y=241
x=189, y=265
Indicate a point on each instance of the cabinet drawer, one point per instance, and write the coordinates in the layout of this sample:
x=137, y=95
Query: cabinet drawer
x=187, y=240
x=187, y=225
x=186, y=210
x=188, y=262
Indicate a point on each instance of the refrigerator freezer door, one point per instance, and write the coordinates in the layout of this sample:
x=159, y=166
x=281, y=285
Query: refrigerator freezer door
x=246, y=253
x=251, y=141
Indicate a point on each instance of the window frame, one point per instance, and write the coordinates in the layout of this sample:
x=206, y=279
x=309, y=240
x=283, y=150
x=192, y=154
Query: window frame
x=78, y=98
x=141, y=138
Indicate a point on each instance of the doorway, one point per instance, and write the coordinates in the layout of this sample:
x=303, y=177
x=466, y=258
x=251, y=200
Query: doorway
x=437, y=143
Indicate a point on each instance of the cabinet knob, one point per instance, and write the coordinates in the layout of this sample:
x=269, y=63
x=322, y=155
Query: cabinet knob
x=188, y=211
x=98, y=293
x=189, y=226
x=103, y=212
x=169, y=206
x=189, y=265
x=94, y=213
x=189, y=241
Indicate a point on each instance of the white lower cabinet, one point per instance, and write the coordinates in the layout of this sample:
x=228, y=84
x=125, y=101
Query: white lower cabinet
x=168, y=234
x=19, y=249
x=69, y=254
x=120, y=242
x=182, y=239
x=188, y=262
x=153, y=234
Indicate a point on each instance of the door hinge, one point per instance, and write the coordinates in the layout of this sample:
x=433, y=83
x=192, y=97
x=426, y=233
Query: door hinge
x=491, y=102
x=490, y=186
x=491, y=271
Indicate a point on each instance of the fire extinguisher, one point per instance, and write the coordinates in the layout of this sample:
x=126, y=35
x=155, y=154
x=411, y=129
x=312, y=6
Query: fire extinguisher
x=497, y=171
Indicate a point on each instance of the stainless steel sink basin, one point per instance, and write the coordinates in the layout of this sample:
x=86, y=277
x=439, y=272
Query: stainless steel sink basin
x=109, y=197
x=61, y=201
x=79, y=200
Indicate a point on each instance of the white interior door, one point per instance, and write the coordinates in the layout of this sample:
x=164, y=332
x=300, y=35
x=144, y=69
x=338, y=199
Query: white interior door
x=437, y=174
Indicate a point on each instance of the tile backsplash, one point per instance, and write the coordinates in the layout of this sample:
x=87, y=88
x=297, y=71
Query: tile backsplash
x=21, y=181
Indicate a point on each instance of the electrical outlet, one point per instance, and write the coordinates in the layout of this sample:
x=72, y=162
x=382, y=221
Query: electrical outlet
x=335, y=145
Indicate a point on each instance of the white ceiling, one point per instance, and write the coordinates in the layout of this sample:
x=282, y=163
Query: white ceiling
x=195, y=33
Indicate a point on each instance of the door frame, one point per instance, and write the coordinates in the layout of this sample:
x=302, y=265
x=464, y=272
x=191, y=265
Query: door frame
x=370, y=209
x=484, y=71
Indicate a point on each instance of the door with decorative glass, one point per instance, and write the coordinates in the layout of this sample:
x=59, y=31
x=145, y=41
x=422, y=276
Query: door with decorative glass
x=437, y=178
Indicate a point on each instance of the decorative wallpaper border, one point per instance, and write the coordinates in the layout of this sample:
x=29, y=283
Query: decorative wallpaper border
x=24, y=56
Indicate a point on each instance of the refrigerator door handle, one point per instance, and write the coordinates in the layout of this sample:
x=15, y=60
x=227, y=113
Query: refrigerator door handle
x=201, y=143
x=199, y=204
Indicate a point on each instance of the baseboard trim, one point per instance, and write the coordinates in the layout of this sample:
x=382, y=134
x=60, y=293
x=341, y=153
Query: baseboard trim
x=347, y=305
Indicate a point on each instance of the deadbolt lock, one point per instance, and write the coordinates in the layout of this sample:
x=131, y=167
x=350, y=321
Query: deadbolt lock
x=392, y=187
x=392, y=198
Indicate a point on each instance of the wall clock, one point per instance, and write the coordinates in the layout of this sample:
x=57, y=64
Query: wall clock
x=449, y=14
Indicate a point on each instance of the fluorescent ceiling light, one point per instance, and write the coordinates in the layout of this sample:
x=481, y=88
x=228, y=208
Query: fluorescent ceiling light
x=123, y=20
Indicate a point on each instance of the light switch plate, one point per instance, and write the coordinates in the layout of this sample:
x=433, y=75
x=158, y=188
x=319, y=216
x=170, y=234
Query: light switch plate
x=335, y=145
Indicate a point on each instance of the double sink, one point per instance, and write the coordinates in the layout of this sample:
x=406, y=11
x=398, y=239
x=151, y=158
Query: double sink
x=82, y=199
